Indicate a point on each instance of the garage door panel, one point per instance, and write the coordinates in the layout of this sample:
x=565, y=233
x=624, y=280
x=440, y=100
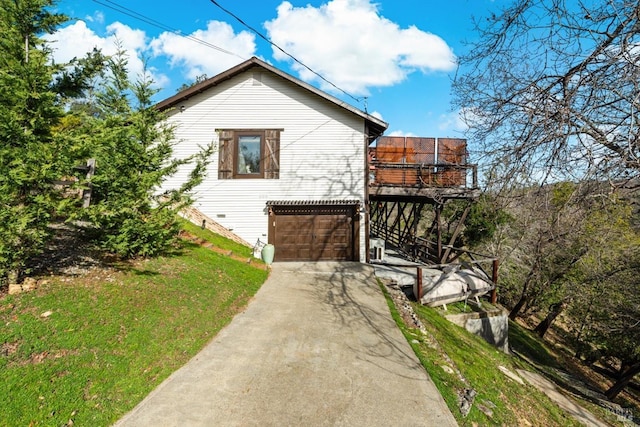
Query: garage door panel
x=331, y=222
x=294, y=238
x=332, y=229
x=295, y=223
x=292, y=253
x=332, y=253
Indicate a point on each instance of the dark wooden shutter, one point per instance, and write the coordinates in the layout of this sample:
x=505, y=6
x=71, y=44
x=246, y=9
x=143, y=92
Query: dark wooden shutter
x=225, y=155
x=272, y=154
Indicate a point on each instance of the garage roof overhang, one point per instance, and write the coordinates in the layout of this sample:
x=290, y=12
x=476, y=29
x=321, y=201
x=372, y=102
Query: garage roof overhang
x=312, y=202
x=291, y=206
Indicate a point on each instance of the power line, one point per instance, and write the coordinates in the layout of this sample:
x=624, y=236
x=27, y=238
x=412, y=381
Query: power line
x=259, y=34
x=136, y=15
x=139, y=16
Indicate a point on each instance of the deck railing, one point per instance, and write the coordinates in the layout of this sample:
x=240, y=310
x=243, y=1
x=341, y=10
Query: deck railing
x=423, y=175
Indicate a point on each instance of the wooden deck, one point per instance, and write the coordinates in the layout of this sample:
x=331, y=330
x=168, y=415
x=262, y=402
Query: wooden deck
x=409, y=176
x=433, y=169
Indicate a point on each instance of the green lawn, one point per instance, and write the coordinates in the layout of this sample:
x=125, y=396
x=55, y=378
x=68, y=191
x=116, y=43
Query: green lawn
x=111, y=338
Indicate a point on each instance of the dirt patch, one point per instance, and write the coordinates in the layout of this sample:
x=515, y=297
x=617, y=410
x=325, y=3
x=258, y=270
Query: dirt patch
x=37, y=358
x=69, y=253
x=9, y=348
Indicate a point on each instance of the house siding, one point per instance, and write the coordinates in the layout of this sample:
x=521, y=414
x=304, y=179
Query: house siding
x=322, y=149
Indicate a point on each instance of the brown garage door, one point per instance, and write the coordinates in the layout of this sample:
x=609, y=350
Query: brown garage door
x=314, y=231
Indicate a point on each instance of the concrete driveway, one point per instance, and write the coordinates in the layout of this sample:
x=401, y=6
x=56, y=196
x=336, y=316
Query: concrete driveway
x=315, y=347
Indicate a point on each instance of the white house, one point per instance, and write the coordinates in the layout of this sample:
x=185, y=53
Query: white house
x=291, y=166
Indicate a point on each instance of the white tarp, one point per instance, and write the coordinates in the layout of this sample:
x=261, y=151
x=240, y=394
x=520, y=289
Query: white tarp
x=452, y=284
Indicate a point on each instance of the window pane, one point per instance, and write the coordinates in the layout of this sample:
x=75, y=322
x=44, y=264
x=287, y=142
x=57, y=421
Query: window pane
x=248, y=154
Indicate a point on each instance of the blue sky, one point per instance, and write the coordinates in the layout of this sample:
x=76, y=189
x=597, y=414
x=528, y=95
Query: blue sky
x=399, y=54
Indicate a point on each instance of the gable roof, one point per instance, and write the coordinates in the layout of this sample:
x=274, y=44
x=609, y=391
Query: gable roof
x=375, y=125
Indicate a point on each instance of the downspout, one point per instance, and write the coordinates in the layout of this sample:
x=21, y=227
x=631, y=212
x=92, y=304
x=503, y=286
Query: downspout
x=367, y=208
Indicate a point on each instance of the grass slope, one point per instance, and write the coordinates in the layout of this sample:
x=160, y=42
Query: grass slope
x=86, y=350
x=216, y=240
x=457, y=360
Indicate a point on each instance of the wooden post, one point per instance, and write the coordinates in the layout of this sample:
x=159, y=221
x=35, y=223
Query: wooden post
x=475, y=176
x=456, y=233
x=494, y=279
x=86, y=194
x=439, y=233
x=419, y=284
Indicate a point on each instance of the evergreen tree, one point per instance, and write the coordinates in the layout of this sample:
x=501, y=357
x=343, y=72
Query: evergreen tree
x=131, y=214
x=29, y=153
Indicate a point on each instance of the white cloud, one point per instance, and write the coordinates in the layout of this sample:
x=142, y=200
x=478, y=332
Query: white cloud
x=354, y=47
x=75, y=40
x=377, y=115
x=202, y=59
x=96, y=17
x=453, y=121
x=400, y=133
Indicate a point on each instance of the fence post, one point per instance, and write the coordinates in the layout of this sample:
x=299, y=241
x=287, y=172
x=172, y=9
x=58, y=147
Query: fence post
x=86, y=194
x=494, y=279
x=475, y=176
x=419, y=284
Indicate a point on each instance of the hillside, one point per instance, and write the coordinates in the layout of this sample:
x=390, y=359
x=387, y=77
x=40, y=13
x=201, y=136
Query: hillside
x=97, y=334
x=484, y=386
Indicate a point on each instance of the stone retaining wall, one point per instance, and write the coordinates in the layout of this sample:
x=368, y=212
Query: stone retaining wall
x=198, y=218
x=492, y=325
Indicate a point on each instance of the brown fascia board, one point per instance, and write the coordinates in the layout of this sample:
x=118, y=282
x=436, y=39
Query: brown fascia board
x=375, y=125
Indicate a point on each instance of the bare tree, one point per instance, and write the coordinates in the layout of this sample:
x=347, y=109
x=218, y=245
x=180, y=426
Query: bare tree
x=547, y=244
x=551, y=89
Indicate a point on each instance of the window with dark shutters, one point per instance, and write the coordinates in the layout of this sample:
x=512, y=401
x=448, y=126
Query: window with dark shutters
x=249, y=154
